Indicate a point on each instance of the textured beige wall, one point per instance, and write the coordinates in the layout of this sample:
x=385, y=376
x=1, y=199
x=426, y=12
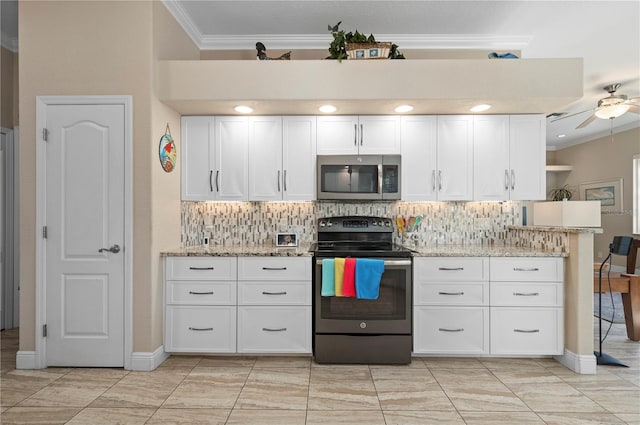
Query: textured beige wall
x=598, y=160
x=8, y=88
x=103, y=48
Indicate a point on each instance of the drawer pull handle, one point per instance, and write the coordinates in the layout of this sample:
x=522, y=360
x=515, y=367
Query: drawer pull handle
x=451, y=330
x=527, y=331
x=274, y=293
x=200, y=293
x=274, y=330
x=519, y=269
x=200, y=329
x=526, y=294
x=274, y=268
x=200, y=268
x=450, y=268
x=450, y=293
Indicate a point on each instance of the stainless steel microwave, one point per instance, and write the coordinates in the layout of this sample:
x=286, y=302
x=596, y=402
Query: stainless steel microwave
x=358, y=177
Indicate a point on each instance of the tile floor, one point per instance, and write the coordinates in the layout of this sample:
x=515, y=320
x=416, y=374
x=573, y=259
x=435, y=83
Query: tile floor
x=294, y=390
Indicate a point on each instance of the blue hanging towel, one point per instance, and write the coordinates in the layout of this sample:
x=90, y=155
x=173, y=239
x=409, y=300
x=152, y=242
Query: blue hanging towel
x=328, y=278
x=368, y=275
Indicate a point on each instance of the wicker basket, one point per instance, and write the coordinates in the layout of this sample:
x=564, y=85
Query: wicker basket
x=368, y=50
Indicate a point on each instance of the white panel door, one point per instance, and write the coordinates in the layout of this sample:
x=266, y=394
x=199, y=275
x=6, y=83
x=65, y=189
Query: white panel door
x=231, y=144
x=338, y=135
x=455, y=158
x=419, y=142
x=85, y=213
x=528, y=157
x=379, y=135
x=299, y=158
x=491, y=158
x=197, y=159
x=265, y=159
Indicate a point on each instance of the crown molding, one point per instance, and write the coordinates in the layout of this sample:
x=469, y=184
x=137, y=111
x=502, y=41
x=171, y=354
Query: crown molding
x=9, y=42
x=183, y=18
x=594, y=136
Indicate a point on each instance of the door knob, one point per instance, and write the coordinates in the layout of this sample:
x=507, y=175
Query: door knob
x=114, y=249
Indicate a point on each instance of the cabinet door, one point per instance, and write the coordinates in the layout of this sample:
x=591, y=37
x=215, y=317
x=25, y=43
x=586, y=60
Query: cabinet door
x=231, y=141
x=491, y=158
x=418, y=147
x=299, y=158
x=455, y=158
x=527, y=138
x=265, y=158
x=379, y=134
x=338, y=135
x=196, y=166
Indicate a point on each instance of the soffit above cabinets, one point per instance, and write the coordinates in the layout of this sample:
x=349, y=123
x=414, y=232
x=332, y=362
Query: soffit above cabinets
x=443, y=86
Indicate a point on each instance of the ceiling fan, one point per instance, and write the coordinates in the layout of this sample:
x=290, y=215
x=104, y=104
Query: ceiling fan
x=609, y=107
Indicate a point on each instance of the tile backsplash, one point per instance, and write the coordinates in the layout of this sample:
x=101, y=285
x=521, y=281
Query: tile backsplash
x=235, y=223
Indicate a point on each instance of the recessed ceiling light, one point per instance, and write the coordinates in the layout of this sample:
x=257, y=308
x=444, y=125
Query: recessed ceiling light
x=243, y=109
x=560, y=136
x=480, y=108
x=327, y=109
x=404, y=108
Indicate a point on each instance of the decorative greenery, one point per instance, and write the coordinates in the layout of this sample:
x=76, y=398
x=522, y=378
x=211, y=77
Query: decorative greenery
x=560, y=193
x=337, y=48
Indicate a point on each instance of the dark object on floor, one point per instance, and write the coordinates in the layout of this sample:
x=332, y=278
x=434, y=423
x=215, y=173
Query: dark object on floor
x=262, y=53
x=611, y=312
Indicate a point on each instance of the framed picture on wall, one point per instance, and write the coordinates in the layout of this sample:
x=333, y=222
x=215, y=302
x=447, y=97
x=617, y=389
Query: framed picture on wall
x=608, y=192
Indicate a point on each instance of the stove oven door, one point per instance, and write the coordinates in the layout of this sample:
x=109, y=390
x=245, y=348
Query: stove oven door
x=389, y=314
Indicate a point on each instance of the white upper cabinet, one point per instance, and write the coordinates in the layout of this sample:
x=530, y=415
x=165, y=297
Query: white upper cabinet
x=419, y=142
x=527, y=157
x=282, y=158
x=231, y=142
x=454, y=175
x=197, y=161
x=491, y=158
x=347, y=135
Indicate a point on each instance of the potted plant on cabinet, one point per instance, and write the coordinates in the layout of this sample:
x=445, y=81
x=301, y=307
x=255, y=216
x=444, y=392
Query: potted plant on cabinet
x=358, y=46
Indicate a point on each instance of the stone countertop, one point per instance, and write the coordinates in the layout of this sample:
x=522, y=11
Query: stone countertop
x=557, y=229
x=482, y=251
x=240, y=251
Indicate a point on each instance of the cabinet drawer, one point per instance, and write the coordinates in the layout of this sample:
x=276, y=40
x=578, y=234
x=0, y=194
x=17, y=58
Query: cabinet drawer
x=539, y=294
x=274, y=329
x=201, y=268
x=201, y=293
x=530, y=269
x=276, y=293
x=526, y=331
x=457, y=330
x=453, y=293
x=450, y=269
x=274, y=268
x=200, y=329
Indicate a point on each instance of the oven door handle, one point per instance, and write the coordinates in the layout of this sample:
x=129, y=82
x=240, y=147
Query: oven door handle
x=386, y=262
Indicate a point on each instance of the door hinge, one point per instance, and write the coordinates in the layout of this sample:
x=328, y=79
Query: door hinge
x=45, y=134
x=44, y=331
x=44, y=232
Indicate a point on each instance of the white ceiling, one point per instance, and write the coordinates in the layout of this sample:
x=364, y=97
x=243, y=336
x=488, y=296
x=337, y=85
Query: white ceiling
x=606, y=34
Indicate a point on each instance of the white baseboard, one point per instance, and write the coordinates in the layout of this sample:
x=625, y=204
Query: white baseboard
x=26, y=360
x=584, y=364
x=146, y=362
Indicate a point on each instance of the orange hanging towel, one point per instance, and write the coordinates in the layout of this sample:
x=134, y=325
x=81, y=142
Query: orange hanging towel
x=349, y=281
x=339, y=276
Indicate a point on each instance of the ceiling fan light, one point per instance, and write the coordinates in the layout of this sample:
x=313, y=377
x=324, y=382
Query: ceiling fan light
x=613, y=111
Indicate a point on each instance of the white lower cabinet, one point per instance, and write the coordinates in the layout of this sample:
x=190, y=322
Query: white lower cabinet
x=274, y=329
x=530, y=330
x=200, y=329
x=451, y=330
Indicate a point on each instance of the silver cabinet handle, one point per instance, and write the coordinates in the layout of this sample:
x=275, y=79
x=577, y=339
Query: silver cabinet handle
x=449, y=269
x=274, y=268
x=526, y=294
x=284, y=180
x=433, y=180
x=114, y=249
x=274, y=330
x=450, y=293
x=361, y=134
x=451, y=330
x=278, y=180
x=355, y=135
x=506, y=179
x=200, y=293
x=527, y=331
x=217, y=180
x=210, y=182
x=200, y=329
x=200, y=268
x=386, y=262
x=274, y=293
x=520, y=269
x=513, y=180
x=440, y=180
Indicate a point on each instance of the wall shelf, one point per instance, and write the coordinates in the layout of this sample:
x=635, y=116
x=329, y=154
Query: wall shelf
x=559, y=168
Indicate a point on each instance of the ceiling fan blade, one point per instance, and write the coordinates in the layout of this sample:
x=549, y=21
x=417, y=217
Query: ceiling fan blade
x=635, y=109
x=572, y=115
x=587, y=121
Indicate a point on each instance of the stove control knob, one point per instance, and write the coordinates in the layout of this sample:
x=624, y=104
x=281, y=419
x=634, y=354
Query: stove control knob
x=329, y=223
x=387, y=223
x=322, y=223
x=363, y=325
